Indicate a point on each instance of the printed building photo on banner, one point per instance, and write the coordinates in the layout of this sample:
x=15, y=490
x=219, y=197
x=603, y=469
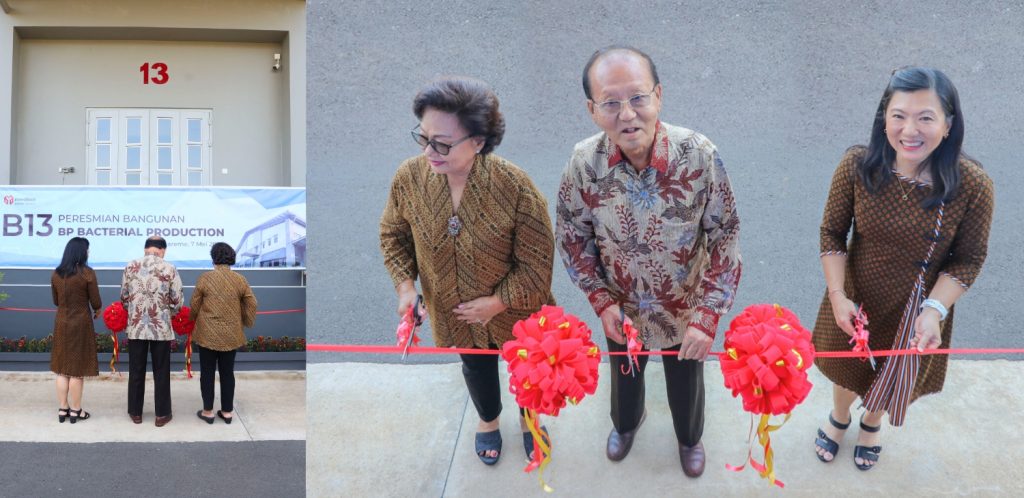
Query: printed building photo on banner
x=122, y=122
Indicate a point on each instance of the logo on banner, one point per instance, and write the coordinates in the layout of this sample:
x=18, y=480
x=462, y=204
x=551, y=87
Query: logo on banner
x=8, y=199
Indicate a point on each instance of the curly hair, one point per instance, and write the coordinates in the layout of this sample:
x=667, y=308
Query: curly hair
x=471, y=101
x=222, y=254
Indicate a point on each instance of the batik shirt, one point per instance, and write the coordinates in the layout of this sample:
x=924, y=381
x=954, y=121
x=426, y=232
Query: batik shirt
x=151, y=293
x=662, y=242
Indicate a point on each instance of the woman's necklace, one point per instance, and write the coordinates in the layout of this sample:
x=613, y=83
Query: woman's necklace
x=906, y=193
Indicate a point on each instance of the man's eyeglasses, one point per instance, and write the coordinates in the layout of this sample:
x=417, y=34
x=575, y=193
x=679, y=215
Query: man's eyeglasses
x=638, y=101
x=439, y=147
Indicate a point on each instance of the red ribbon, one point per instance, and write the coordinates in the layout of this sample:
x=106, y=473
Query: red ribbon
x=182, y=324
x=374, y=348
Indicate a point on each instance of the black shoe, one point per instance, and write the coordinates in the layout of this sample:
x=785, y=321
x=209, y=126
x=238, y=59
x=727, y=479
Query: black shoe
x=488, y=441
x=61, y=417
x=227, y=420
x=826, y=443
x=79, y=414
x=208, y=420
x=866, y=453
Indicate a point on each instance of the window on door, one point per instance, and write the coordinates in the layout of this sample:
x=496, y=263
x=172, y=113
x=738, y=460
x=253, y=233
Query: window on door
x=149, y=147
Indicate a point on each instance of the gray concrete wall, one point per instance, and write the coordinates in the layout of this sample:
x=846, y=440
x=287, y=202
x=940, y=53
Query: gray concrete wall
x=234, y=80
x=783, y=88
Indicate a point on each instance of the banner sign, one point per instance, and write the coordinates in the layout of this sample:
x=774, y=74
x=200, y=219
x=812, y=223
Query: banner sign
x=265, y=226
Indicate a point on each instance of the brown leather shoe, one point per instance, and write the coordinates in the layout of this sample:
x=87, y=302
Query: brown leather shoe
x=692, y=459
x=162, y=421
x=620, y=444
x=136, y=418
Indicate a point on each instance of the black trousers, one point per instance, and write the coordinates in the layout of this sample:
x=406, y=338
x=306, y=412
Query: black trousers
x=684, y=381
x=210, y=361
x=481, y=374
x=138, y=349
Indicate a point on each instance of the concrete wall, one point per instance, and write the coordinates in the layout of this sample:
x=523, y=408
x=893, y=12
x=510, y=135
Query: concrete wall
x=234, y=80
x=783, y=88
x=225, y=48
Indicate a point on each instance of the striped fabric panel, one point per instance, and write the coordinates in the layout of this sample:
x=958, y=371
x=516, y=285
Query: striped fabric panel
x=893, y=387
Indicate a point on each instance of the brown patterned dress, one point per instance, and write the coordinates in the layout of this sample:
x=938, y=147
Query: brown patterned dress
x=504, y=247
x=74, y=339
x=890, y=239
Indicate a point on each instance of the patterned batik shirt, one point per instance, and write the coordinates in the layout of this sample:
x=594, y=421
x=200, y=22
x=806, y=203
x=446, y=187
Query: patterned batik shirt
x=151, y=293
x=662, y=242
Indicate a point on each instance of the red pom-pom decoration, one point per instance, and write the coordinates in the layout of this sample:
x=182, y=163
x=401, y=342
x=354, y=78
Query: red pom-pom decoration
x=767, y=354
x=552, y=359
x=115, y=317
x=181, y=323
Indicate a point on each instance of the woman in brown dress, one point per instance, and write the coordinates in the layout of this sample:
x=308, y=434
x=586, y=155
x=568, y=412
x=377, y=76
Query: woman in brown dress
x=73, y=358
x=222, y=303
x=920, y=212
x=475, y=231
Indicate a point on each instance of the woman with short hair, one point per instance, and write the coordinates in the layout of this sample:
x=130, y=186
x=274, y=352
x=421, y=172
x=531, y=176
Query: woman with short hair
x=222, y=303
x=475, y=231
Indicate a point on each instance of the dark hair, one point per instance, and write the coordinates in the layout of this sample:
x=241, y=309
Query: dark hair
x=875, y=168
x=157, y=242
x=613, y=49
x=76, y=255
x=222, y=254
x=471, y=101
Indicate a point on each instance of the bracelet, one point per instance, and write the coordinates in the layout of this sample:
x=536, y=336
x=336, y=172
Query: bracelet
x=836, y=290
x=937, y=306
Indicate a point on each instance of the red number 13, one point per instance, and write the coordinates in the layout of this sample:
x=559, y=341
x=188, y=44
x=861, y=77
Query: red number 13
x=160, y=75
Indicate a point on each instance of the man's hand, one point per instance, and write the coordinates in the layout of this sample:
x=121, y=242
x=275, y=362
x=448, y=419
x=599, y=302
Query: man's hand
x=695, y=346
x=612, y=323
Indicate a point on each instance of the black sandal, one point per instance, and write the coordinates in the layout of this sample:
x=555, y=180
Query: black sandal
x=79, y=414
x=488, y=441
x=826, y=443
x=866, y=453
x=60, y=418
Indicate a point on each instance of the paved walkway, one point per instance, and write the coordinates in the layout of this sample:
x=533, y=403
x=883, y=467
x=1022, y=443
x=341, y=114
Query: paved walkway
x=407, y=430
x=269, y=405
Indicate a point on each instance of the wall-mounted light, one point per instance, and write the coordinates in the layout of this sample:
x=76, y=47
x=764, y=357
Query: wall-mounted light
x=277, y=62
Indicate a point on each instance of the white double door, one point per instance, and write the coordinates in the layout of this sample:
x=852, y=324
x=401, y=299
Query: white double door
x=149, y=146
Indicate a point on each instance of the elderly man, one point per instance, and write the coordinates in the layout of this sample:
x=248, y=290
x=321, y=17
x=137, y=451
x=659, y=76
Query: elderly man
x=647, y=228
x=151, y=293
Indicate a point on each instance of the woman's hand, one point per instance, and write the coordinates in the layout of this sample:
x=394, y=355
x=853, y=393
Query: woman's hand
x=479, y=310
x=927, y=332
x=844, y=311
x=407, y=298
x=95, y=314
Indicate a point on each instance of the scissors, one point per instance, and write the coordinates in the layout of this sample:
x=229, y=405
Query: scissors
x=417, y=320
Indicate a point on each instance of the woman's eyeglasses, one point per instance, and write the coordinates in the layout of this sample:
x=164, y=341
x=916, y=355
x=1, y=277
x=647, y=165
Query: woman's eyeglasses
x=439, y=147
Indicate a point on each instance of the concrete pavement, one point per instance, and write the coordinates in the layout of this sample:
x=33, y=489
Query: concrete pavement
x=407, y=430
x=261, y=453
x=269, y=405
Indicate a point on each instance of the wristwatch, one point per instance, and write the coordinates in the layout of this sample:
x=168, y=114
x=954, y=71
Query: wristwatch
x=937, y=306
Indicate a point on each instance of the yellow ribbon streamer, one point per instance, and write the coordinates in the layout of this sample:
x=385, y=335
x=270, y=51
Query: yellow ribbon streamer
x=532, y=421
